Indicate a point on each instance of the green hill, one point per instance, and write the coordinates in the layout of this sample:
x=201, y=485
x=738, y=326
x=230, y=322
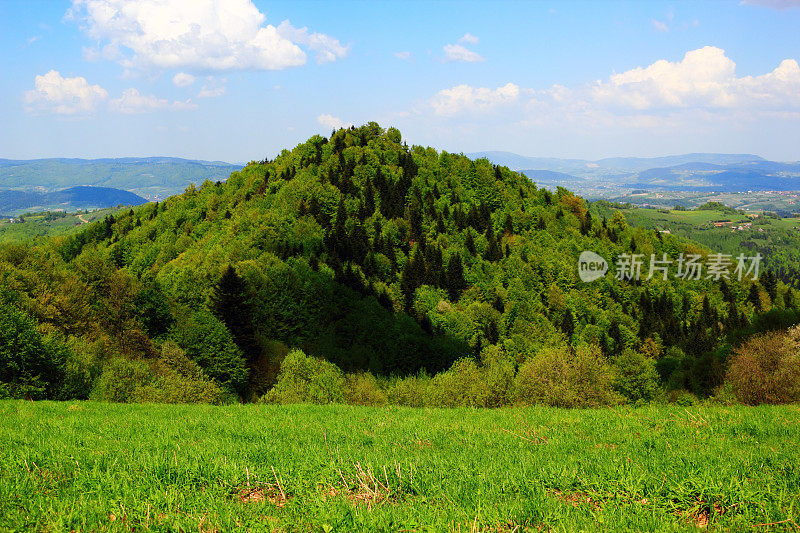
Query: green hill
x=151, y=177
x=374, y=256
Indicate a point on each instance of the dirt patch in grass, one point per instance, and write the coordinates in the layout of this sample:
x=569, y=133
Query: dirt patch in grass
x=366, y=487
x=702, y=514
x=259, y=493
x=577, y=499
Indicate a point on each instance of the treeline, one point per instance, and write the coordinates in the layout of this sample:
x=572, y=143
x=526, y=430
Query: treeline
x=375, y=257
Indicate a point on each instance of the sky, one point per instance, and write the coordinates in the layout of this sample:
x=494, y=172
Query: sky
x=240, y=80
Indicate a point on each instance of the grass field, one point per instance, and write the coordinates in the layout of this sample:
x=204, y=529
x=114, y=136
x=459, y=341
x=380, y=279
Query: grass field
x=112, y=467
x=40, y=225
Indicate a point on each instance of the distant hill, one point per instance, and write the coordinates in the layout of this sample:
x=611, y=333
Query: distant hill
x=611, y=165
x=687, y=172
x=82, y=197
x=150, y=177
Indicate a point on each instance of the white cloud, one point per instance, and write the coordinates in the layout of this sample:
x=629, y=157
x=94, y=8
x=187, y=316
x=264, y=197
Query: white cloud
x=774, y=4
x=64, y=96
x=464, y=98
x=403, y=56
x=701, y=88
x=211, y=92
x=132, y=101
x=704, y=78
x=198, y=35
x=182, y=79
x=468, y=38
x=457, y=52
x=660, y=27
x=331, y=122
x=327, y=48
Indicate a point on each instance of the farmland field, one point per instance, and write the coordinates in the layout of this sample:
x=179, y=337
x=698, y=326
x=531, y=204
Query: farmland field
x=112, y=467
x=49, y=224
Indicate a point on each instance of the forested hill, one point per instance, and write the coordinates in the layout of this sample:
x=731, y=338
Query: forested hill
x=368, y=253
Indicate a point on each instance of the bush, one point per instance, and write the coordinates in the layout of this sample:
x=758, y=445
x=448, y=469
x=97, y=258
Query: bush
x=208, y=342
x=119, y=380
x=305, y=379
x=498, y=377
x=766, y=369
x=557, y=377
x=461, y=386
x=410, y=391
x=362, y=388
x=31, y=364
x=635, y=376
x=172, y=378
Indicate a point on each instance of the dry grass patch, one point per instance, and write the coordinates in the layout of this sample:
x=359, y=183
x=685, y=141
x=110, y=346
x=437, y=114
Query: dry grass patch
x=367, y=487
x=577, y=499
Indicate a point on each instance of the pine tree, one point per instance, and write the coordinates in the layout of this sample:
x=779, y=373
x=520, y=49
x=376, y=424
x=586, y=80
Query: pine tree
x=230, y=303
x=568, y=324
x=455, y=277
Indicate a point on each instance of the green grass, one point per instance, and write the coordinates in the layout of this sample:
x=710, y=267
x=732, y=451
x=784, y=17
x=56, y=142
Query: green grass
x=37, y=225
x=110, y=467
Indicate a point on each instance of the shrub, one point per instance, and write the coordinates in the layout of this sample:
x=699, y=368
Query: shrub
x=31, y=364
x=172, y=378
x=410, y=391
x=119, y=380
x=557, y=377
x=635, y=376
x=766, y=369
x=362, y=388
x=209, y=343
x=460, y=386
x=498, y=377
x=305, y=379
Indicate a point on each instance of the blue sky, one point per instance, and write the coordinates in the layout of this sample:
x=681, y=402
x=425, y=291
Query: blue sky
x=237, y=80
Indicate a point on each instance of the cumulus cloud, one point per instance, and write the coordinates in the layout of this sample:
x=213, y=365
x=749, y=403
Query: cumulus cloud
x=465, y=98
x=704, y=78
x=660, y=27
x=331, y=122
x=468, y=38
x=198, y=35
x=403, y=56
x=701, y=87
x=132, y=101
x=53, y=93
x=458, y=52
x=327, y=48
x=774, y=4
x=209, y=91
x=182, y=79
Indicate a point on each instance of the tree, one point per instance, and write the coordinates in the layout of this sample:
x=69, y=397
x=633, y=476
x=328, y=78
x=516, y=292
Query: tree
x=230, y=303
x=31, y=366
x=455, y=277
x=568, y=324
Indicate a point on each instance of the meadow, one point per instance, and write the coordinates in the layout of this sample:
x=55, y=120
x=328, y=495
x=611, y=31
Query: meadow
x=49, y=224
x=112, y=467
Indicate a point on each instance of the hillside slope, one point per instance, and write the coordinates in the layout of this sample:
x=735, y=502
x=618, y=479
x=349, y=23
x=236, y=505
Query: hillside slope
x=374, y=256
x=151, y=177
x=15, y=202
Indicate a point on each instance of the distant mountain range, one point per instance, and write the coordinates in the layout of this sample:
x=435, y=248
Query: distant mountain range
x=82, y=197
x=689, y=172
x=153, y=178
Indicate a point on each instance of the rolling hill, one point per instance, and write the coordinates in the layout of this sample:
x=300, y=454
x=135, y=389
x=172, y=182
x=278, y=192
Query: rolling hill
x=14, y=202
x=150, y=177
x=374, y=257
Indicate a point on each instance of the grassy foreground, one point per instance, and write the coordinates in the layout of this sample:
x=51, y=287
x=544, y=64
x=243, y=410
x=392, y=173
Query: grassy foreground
x=111, y=467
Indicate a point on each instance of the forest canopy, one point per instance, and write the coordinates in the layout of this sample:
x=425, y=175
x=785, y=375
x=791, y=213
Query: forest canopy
x=406, y=270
